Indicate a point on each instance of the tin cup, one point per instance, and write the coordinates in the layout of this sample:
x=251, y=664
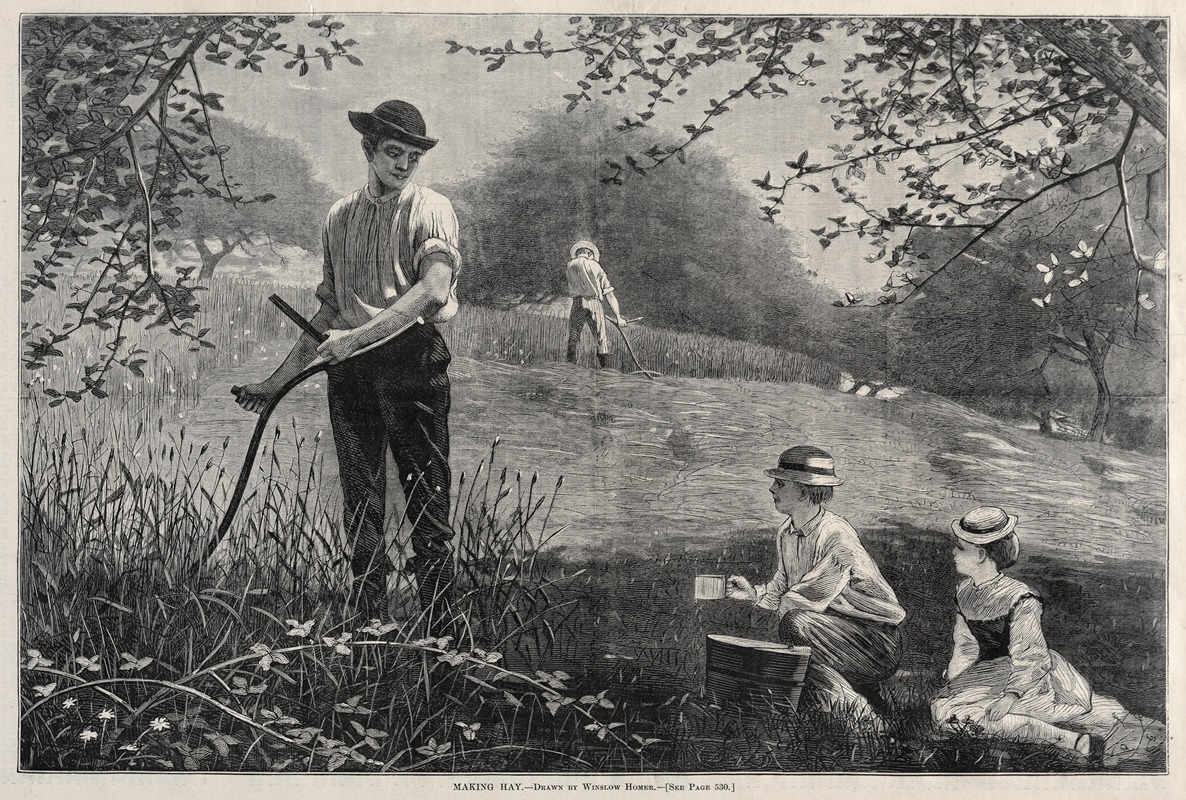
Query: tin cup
x=710, y=587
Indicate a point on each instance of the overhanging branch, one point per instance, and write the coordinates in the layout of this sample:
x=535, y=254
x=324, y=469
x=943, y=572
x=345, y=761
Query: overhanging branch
x=1108, y=68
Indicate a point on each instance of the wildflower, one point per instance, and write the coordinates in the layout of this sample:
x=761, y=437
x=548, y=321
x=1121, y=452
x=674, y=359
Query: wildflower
x=242, y=688
x=299, y=629
x=88, y=664
x=339, y=644
x=603, y=730
x=555, y=702
x=69, y=703
x=131, y=748
x=376, y=628
x=160, y=724
x=469, y=731
x=434, y=749
x=649, y=741
x=452, y=658
x=46, y=690
x=88, y=735
x=106, y=714
x=277, y=717
x=553, y=679
x=597, y=699
x=268, y=657
x=352, y=705
x=132, y=663
x=489, y=658
x=37, y=660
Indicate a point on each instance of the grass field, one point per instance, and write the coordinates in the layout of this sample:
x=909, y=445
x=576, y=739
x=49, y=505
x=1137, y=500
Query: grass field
x=584, y=651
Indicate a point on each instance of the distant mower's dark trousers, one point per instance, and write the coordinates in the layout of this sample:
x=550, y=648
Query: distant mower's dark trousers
x=864, y=652
x=587, y=311
x=396, y=397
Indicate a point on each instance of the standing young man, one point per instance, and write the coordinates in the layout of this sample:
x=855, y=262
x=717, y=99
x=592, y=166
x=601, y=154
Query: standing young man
x=588, y=286
x=826, y=588
x=390, y=256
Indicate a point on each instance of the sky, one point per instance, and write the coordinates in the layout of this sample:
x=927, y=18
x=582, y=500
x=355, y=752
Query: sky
x=470, y=111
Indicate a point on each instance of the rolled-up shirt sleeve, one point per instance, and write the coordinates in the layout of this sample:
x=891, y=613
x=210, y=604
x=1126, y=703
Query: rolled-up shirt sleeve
x=816, y=590
x=436, y=234
x=603, y=282
x=1027, y=647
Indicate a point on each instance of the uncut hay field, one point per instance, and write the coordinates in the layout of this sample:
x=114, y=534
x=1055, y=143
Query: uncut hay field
x=648, y=482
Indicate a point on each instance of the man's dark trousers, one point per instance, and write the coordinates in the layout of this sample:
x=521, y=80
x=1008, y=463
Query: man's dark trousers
x=396, y=396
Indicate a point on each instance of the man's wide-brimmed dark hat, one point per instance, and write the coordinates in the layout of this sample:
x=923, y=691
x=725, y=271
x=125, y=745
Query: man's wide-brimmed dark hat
x=807, y=465
x=395, y=119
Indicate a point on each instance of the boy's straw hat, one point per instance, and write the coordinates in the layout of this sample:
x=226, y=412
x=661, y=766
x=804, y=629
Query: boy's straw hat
x=583, y=245
x=984, y=525
x=807, y=465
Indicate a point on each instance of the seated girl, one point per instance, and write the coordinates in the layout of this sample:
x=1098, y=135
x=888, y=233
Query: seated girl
x=1002, y=675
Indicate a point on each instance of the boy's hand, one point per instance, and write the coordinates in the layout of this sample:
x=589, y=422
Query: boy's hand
x=738, y=588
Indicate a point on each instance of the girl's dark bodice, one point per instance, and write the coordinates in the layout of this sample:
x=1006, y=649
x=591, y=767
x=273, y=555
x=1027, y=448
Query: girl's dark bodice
x=993, y=634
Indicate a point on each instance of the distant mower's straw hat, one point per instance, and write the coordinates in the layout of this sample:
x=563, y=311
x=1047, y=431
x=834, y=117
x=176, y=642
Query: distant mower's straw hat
x=395, y=119
x=807, y=465
x=984, y=525
x=583, y=245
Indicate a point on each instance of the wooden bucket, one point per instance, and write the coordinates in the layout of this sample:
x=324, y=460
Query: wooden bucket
x=753, y=673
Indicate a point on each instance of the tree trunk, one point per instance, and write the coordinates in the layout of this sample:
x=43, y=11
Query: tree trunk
x=1147, y=43
x=1103, y=402
x=210, y=258
x=1109, y=69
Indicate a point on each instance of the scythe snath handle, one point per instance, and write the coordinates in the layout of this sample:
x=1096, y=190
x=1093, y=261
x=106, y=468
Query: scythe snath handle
x=297, y=319
x=261, y=425
x=630, y=349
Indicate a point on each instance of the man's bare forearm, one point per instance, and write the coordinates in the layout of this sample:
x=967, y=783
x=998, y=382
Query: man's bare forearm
x=303, y=352
x=612, y=299
x=423, y=299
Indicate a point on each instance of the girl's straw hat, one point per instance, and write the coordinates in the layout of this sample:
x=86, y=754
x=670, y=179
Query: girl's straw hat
x=984, y=525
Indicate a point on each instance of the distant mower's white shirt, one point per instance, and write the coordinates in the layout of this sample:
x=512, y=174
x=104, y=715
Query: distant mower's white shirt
x=375, y=248
x=586, y=278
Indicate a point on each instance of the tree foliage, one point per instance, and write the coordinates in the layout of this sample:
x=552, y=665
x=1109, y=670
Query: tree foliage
x=1055, y=285
x=683, y=252
x=116, y=131
x=278, y=168
x=1045, y=114
x=927, y=98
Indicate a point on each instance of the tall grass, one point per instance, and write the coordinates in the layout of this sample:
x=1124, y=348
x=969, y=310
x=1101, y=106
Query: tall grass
x=240, y=318
x=526, y=338
x=134, y=659
x=136, y=656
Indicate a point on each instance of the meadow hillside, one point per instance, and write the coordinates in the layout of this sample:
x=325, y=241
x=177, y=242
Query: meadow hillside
x=679, y=460
x=644, y=483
